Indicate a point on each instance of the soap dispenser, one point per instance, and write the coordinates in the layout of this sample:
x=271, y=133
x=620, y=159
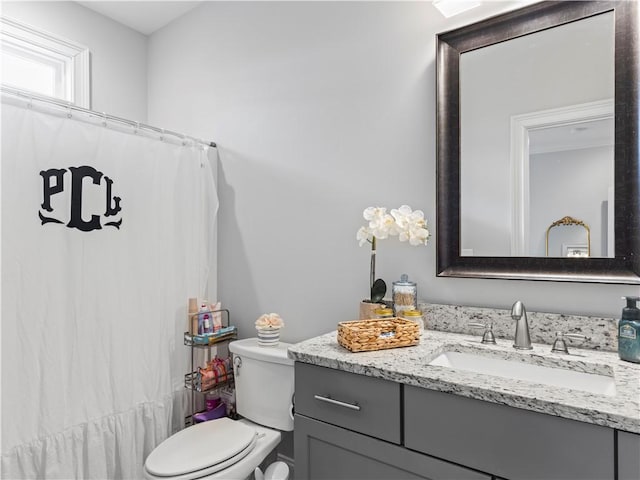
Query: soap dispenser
x=629, y=331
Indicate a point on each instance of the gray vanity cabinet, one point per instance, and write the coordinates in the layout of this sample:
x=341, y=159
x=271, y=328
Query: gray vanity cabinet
x=628, y=456
x=324, y=451
x=508, y=442
x=349, y=427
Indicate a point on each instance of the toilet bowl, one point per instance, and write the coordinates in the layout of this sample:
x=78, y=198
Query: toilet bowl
x=233, y=449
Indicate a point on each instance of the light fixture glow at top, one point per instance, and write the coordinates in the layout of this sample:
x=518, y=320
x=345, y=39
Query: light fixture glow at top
x=449, y=8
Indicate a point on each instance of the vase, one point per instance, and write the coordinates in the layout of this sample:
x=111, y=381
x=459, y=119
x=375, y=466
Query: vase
x=268, y=337
x=367, y=310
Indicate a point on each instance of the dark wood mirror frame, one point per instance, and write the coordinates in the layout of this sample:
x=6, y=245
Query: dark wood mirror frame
x=625, y=267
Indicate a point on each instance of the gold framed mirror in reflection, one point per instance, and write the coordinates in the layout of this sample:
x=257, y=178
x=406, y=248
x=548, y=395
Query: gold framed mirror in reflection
x=568, y=242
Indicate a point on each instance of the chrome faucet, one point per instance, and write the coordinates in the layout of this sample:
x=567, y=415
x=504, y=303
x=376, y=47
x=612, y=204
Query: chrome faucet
x=522, y=340
x=560, y=346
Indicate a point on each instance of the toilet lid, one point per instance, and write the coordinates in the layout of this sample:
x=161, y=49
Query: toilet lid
x=203, y=446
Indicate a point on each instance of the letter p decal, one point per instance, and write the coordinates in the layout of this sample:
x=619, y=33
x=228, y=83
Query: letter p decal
x=48, y=188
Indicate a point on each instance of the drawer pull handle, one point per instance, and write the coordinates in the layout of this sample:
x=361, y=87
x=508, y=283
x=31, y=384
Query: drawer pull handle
x=337, y=402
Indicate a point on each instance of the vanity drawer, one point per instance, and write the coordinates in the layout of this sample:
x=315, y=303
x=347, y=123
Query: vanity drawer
x=508, y=442
x=356, y=402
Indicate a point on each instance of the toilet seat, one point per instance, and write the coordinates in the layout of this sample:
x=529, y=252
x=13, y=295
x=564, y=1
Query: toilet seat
x=201, y=450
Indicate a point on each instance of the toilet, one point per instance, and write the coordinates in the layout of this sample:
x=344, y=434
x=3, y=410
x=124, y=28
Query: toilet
x=233, y=449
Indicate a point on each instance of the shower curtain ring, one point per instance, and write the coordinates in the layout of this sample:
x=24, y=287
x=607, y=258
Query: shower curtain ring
x=162, y=136
x=69, y=115
x=104, y=119
x=30, y=102
x=135, y=130
x=184, y=137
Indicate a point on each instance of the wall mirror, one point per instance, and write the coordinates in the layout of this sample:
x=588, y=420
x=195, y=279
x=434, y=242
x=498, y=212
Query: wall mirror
x=537, y=145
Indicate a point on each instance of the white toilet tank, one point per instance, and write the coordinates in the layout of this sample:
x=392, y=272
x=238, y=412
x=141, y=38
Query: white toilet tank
x=264, y=383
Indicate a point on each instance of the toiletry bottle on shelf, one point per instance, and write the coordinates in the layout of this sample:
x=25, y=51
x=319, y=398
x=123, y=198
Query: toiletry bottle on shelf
x=193, y=316
x=204, y=319
x=629, y=331
x=216, y=316
x=212, y=400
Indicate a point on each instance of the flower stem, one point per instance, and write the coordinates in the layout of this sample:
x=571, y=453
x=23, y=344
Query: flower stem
x=372, y=276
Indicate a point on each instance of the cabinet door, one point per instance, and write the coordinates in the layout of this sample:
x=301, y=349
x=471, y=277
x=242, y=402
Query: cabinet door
x=628, y=456
x=327, y=452
x=508, y=442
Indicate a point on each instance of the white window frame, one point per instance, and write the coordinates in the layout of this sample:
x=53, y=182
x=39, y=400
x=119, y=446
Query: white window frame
x=72, y=60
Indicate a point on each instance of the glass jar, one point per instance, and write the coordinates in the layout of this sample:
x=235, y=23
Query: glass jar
x=404, y=295
x=383, y=313
x=414, y=316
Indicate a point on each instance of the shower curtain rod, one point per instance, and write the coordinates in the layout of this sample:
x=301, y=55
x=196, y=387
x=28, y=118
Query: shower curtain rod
x=61, y=103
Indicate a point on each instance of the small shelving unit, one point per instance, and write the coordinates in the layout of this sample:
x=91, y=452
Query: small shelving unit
x=194, y=380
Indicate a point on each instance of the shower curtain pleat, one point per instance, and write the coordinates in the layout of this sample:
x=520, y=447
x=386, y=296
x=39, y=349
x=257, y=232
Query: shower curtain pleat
x=92, y=354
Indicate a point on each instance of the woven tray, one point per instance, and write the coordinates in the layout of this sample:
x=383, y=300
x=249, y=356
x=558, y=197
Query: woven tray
x=367, y=335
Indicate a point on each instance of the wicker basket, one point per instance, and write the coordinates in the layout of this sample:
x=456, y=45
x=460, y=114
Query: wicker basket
x=367, y=335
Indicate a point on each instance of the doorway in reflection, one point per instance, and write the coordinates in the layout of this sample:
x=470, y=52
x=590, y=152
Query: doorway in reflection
x=571, y=175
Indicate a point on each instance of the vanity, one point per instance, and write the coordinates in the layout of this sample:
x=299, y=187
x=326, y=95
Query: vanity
x=398, y=414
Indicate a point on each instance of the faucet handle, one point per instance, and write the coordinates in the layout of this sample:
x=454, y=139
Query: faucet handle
x=487, y=336
x=560, y=346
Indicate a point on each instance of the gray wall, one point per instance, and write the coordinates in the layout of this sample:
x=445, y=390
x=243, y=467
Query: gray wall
x=118, y=53
x=320, y=110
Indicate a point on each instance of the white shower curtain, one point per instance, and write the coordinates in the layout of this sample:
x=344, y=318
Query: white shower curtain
x=105, y=235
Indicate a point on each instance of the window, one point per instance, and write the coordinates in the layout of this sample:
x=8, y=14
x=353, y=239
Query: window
x=42, y=63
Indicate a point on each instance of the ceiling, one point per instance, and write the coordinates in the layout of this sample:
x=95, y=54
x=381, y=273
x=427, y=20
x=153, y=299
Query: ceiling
x=147, y=16
x=144, y=16
x=572, y=136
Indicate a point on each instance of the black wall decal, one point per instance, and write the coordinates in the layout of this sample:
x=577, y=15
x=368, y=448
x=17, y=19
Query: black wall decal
x=53, y=183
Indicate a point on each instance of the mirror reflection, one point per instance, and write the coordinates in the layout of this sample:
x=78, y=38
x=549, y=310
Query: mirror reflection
x=537, y=144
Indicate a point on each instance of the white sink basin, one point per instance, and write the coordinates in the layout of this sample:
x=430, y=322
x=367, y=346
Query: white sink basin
x=551, y=376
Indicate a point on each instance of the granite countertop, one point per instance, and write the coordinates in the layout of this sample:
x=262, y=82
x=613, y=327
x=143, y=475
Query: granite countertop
x=409, y=365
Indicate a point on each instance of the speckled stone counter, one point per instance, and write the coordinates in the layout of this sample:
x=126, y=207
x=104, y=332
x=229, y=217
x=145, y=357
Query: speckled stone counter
x=601, y=332
x=409, y=365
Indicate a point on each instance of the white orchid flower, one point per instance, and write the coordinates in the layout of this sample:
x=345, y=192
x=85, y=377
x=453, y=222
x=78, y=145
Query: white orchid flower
x=411, y=225
x=418, y=236
x=408, y=224
x=404, y=216
x=382, y=226
x=364, y=235
x=417, y=216
x=401, y=214
x=372, y=213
